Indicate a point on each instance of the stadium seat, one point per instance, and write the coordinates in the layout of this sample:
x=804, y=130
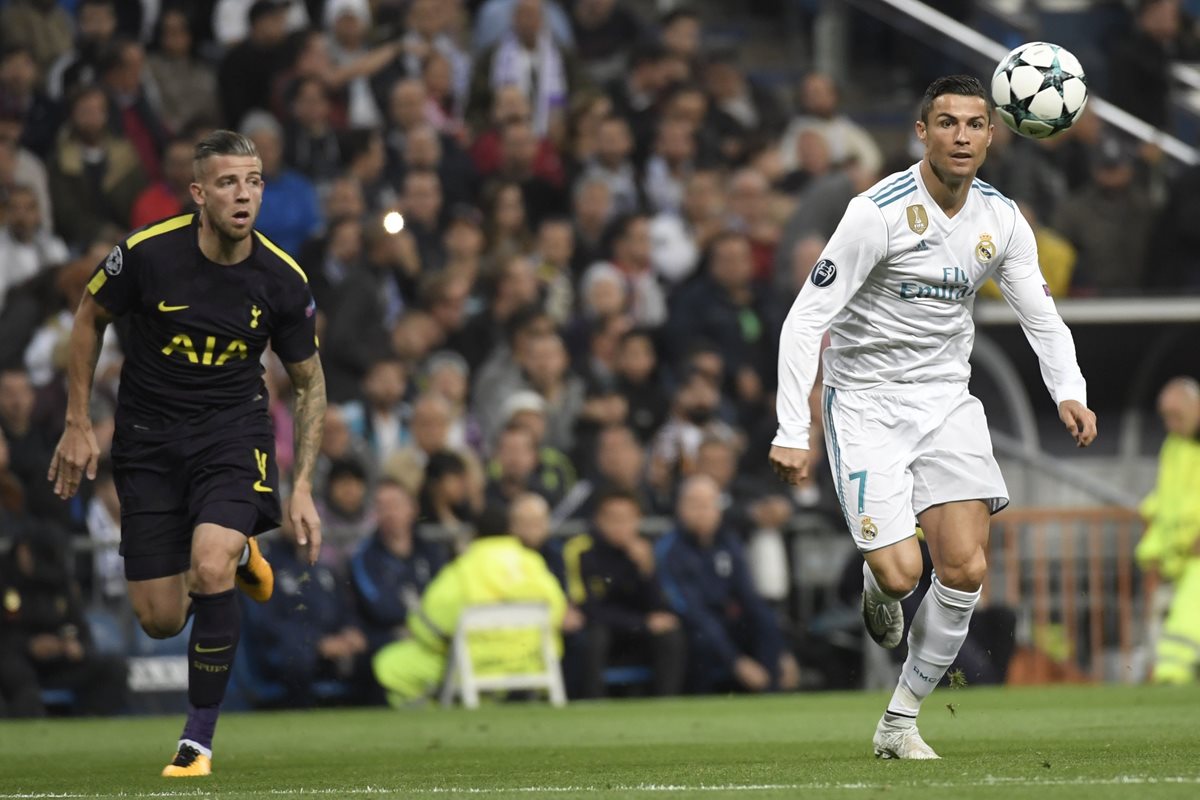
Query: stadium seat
x=460, y=671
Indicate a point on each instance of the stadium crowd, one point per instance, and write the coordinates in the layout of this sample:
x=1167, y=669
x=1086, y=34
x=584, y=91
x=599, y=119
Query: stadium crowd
x=551, y=247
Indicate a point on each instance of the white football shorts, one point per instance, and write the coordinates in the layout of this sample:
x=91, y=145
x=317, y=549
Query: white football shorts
x=895, y=453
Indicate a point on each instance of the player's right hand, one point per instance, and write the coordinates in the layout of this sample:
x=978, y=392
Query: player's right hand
x=77, y=453
x=789, y=463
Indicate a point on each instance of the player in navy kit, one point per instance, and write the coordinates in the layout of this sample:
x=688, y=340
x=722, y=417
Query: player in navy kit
x=193, y=455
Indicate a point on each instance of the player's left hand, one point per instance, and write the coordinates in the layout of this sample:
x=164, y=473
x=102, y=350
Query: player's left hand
x=1080, y=421
x=306, y=523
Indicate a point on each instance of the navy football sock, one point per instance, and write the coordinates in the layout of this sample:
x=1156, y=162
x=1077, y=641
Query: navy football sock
x=216, y=625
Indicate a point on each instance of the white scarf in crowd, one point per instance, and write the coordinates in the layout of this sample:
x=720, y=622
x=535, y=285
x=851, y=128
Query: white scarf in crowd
x=511, y=65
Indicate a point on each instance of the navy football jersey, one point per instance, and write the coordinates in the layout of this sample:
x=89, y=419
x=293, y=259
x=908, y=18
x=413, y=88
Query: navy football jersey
x=198, y=329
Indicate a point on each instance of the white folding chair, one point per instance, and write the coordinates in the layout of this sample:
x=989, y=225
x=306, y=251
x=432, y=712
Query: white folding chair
x=460, y=671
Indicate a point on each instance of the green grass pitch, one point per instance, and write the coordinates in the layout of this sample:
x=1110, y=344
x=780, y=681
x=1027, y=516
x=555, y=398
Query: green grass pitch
x=1060, y=742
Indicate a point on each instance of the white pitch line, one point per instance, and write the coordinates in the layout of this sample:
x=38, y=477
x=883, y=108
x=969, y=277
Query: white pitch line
x=646, y=788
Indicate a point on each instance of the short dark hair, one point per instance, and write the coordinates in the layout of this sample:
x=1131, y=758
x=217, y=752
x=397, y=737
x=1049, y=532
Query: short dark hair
x=615, y=494
x=678, y=13
x=222, y=143
x=965, y=85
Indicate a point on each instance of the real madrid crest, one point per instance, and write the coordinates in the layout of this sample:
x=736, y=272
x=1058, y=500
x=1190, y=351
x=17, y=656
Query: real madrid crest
x=869, y=529
x=985, y=251
x=918, y=220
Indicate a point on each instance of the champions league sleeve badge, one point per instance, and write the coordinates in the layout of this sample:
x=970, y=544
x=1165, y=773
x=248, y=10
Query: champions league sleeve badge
x=114, y=262
x=824, y=273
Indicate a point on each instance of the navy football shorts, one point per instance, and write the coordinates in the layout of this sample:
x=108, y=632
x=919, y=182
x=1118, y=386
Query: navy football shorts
x=226, y=476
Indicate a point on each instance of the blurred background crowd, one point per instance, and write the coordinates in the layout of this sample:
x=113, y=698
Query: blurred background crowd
x=551, y=244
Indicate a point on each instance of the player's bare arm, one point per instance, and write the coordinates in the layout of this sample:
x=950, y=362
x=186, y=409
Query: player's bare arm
x=308, y=382
x=78, y=452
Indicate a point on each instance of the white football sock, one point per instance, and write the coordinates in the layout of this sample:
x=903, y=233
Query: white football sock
x=937, y=632
x=245, y=555
x=874, y=591
x=199, y=747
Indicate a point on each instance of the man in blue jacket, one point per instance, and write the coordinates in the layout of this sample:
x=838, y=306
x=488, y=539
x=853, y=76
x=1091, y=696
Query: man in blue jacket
x=734, y=640
x=305, y=643
x=392, y=568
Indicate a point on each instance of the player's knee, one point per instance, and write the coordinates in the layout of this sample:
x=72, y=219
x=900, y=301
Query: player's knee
x=213, y=574
x=898, y=581
x=966, y=575
x=158, y=625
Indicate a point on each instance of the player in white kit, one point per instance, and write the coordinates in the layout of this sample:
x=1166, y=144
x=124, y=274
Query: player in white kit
x=896, y=287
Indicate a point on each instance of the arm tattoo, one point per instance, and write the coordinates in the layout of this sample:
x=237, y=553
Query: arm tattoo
x=308, y=381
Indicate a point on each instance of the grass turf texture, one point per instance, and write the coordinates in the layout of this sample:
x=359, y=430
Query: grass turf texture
x=1090, y=742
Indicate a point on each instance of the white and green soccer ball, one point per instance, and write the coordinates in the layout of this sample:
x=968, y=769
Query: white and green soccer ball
x=1039, y=89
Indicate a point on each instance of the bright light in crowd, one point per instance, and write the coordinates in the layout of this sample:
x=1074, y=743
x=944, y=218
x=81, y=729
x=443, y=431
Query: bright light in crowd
x=393, y=222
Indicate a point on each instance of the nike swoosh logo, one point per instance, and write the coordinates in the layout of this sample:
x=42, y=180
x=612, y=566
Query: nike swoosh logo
x=200, y=649
x=162, y=306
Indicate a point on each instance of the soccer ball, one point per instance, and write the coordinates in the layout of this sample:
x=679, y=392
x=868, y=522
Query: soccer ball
x=1039, y=89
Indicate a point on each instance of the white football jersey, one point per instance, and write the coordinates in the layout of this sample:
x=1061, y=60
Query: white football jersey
x=895, y=287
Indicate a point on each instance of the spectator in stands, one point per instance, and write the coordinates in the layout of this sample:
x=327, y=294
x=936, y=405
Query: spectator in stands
x=669, y=167
x=27, y=248
x=96, y=27
x=693, y=418
x=611, y=577
x=428, y=433
x=173, y=194
x=1108, y=223
x=29, y=444
x=592, y=211
x=552, y=264
x=422, y=202
x=679, y=32
x=515, y=290
x=527, y=409
x=1170, y=549
x=1175, y=243
x=619, y=463
x=1139, y=67
x=249, y=68
x=734, y=640
x=346, y=513
x=120, y=70
x=846, y=140
x=338, y=443
x=635, y=94
x=184, y=84
x=613, y=164
x=104, y=530
x=529, y=57
x=629, y=252
x=446, y=373
x=679, y=237
x=745, y=115
x=21, y=96
x=290, y=211
x=500, y=375
x=446, y=493
x=1028, y=173
x=425, y=36
x=639, y=382
x=515, y=469
x=529, y=521
x=94, y=175
x=366, y=165
x=43, y=26
x=506, y=222
x=392, y=568
x=446, y=295
x=349, y=23
x=464, y=243
x=12, y=493
x=750, y=214
x=380, y=417
x=509, y=105
x=423, y=152
x=495, y=568
x=604, y=30
x=44, y=638
x=540, y=181
x=726, y=309
x=311, y=145
x=547, y=372
x=305, y=644
x=233, y=20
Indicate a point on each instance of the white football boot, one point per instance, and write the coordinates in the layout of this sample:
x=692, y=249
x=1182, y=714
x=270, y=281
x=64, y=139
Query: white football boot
x=884, y=620
x=901, y=741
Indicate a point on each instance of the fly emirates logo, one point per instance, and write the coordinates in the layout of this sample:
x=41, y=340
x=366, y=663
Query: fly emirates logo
x=955, y=285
